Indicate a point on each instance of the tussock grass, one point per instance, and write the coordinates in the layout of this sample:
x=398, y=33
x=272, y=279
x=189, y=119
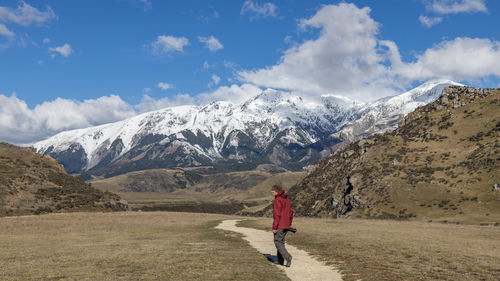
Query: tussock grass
x=127, y=246
x=392, y=250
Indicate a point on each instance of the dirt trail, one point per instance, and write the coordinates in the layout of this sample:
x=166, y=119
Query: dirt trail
x=304, y=267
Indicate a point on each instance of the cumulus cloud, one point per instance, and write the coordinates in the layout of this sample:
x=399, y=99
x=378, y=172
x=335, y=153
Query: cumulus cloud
x=233, y=93
x=456, y=6
x=46, y=40
x=462, y=58
x=20, y=124
x=211, y=43
x=164, y=86
x=206, y=65
x=64, y=50
x=215, y=79
x=26, y=15
x=149, y=103
x=167, y=44
x=255, y=11
x=343, y=60
x=429, y=21
x=349, y=59
x=4, y=31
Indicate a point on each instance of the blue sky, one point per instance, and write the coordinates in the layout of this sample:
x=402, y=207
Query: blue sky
x=72, y=64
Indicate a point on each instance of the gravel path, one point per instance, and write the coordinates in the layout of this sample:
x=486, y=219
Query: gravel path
x=304, y=267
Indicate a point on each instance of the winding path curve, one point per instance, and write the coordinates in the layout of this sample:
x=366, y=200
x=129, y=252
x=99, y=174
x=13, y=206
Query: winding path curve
x=304, y=267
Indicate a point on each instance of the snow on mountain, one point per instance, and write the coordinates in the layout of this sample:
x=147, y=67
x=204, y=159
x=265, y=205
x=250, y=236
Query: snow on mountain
x=273, y=127
x=221, y=124
x=384, y=113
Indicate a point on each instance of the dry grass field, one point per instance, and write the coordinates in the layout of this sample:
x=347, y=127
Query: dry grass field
x=127, y=246
x=399, y=250
x=185, y=246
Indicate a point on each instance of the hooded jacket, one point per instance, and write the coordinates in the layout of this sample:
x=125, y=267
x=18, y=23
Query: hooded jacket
x=282, y=211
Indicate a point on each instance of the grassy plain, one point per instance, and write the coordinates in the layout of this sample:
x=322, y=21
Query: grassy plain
x=127, y=246
x=398, y=250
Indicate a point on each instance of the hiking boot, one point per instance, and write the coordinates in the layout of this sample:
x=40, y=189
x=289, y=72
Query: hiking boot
x=289, y=261
x=277, y=262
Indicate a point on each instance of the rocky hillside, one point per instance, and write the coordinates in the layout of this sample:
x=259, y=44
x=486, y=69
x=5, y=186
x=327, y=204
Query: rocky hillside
x=32, y=183
x=442, y=163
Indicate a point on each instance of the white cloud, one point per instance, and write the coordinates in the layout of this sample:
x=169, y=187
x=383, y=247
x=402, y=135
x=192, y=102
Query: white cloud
x=5, y=31
x=26, y=15
x=211, y=43
x=460, y=59
x=215, y=79
x=255, y=11
x=234, y=93
x=343, y=60
x=64, y=50
x=429, y=21
x=166, y=44
x=20, y=124
x=214, y=15
x=46, y=40
x=456, y=6
x=206, y=65
x=348, y=59
x=149, y=104
x=164, y=86
x=147, y=90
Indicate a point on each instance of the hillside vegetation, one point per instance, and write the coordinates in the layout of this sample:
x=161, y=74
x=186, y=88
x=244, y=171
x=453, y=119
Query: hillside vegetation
x=442, y=163
x=32, y=183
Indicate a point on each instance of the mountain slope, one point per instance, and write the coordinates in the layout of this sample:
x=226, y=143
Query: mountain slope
x=385, y=113
x=442, y=163
x=32, y=183
x=273, y=127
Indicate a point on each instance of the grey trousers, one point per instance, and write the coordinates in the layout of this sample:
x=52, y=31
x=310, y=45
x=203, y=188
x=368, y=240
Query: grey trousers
x=279, y=242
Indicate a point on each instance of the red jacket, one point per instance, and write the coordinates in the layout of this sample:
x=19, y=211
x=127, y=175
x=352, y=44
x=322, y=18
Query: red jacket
x=282, y=211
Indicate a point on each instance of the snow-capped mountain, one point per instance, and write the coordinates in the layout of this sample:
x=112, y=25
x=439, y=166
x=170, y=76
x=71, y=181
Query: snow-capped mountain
x=384, y=113
x=272, y=127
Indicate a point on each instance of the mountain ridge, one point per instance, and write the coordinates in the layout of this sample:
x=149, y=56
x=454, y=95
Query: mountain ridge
x=272, y=127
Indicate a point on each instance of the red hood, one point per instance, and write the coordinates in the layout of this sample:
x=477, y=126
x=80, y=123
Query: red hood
x=282, y=194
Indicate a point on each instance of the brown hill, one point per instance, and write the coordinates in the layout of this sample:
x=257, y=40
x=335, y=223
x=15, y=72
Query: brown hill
x=32, y=183
x=164, y=188
x=442, y=163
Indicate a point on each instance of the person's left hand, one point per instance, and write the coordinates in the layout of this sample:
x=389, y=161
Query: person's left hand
x=274, y=231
